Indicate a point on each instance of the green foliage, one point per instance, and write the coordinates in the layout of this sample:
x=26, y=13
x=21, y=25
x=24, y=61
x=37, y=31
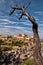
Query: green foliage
x=8, y=48
x=1, y=41
x=18, y=43
x=29, y=62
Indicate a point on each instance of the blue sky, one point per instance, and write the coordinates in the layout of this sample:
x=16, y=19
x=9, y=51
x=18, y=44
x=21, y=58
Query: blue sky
x=10, y=25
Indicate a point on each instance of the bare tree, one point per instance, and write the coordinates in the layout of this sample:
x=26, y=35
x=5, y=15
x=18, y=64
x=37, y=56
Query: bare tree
x=37, y=48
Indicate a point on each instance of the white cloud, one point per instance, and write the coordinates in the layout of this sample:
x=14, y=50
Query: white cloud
x=16, y=28
x=39, y=12
x=3, y=23
x=4, y=31
x=41, y=25
x=26, y=23
x=9, y=31
x=7, y=21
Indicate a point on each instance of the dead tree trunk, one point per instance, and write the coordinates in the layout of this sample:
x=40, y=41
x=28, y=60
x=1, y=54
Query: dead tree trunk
x=37, y=49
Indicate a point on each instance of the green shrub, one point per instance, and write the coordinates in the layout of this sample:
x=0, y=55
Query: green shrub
x=29, y=62
x=1, y=42
x=8, y=48
x=17, y=43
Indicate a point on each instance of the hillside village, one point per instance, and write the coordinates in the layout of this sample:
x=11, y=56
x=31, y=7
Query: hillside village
x=18, y=46
x=16, y=40
x=18, y=37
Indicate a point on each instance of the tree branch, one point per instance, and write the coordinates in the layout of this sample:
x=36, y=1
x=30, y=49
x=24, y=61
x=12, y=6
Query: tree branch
x=28, y=4
x=23, y=13
x=11, y=12
x=20, y=16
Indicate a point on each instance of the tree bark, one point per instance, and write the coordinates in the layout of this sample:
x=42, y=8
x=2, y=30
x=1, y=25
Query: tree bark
x=37, y=49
